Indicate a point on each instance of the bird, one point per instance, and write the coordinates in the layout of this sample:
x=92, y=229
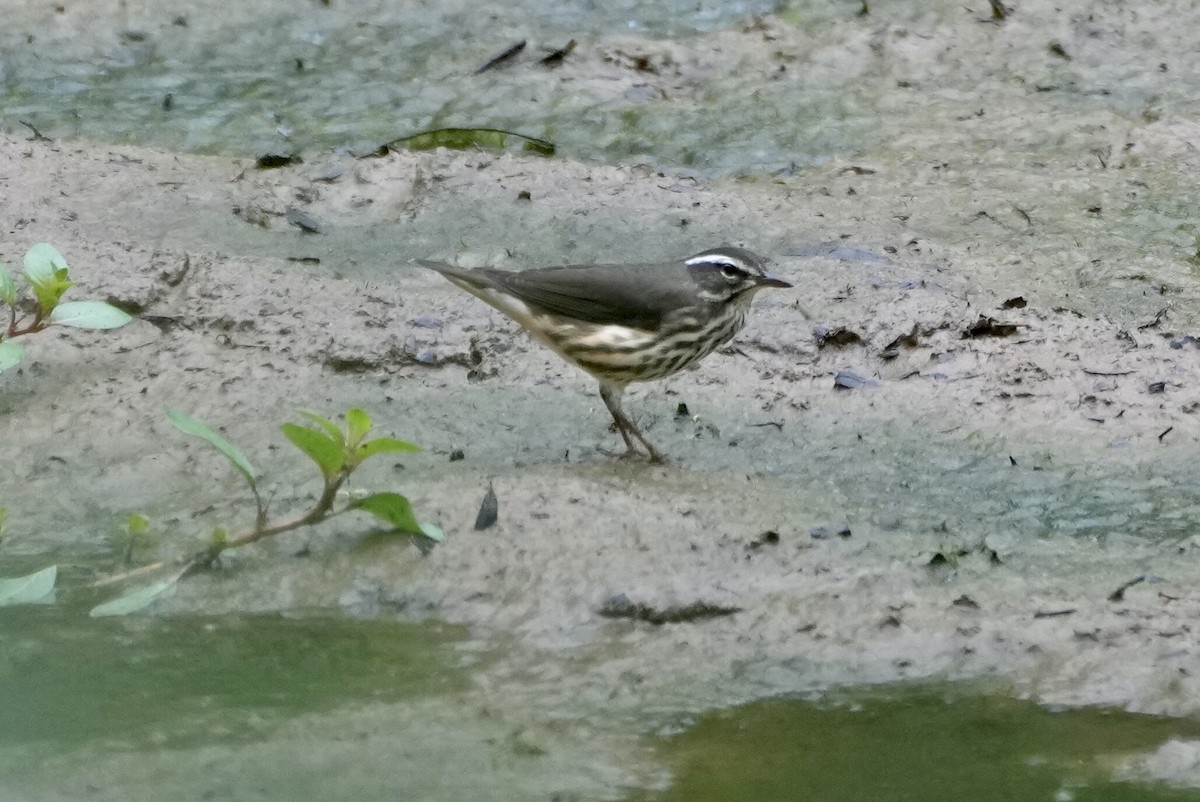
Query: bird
x=625, y=323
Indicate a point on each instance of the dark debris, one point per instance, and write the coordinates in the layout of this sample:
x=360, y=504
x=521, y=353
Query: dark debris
x=951, y=557
x=989, y=327
x=841, y=336
x=489, y=510
x=849, y=380
x=302, y=221
x=502, y=58
x=1119, y=594
x=273, y=161
x=1059, y=613
x=823, y=532
x=558, y=56
x=621, y=606
x=911, y=339
x=1056, y=49
x=767, y=538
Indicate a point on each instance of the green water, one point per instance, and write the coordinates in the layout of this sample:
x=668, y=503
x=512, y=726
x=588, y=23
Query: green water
x=280, y=76
x=920, y=745
x=274, y=76
x=143, y=683
x=328, y=707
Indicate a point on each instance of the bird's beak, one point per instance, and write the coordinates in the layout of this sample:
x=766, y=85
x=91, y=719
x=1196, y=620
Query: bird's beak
x=773, y=281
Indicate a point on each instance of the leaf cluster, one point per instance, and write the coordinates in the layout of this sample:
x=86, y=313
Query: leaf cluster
x=335, y=451
x=45, y=271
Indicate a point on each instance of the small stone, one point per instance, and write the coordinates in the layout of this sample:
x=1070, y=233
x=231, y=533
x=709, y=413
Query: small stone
x=428, y=322
x=849, y=380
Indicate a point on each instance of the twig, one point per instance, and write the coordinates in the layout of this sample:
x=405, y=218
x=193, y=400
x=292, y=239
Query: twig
x=1119, y=594
x=38, y=136
x=130, y=574
x=502, y=58
x=1106, y=372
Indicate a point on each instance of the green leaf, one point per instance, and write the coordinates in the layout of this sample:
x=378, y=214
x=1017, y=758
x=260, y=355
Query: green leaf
x=28, y=589
x=358, y=426
x=134, y=600
x=43, y=260
x=49, y=293
x=320, y=448
x=468, y=138
x=329, y=426
x=392, y=508
x=384, y=445
x=137, y=524
x=432, y=532
x=88, y=315
x=8, y=287
x=11, y=355
x=189, y=425
x=46, y=270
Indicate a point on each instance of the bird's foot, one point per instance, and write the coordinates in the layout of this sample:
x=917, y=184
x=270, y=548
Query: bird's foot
x=654, y=457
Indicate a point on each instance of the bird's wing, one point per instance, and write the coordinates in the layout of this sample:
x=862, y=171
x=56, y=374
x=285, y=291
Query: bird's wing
x=639, y=296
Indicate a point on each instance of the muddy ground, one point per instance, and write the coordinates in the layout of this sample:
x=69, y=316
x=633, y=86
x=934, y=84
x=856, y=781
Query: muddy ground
x=770, y=442
x=1014, y=447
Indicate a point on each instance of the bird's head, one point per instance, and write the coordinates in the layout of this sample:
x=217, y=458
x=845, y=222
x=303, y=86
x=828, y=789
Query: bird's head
x=727, y=274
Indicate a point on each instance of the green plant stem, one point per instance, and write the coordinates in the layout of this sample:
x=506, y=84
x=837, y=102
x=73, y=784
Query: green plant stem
x=320, y=511
x=33, y=328
x=260, y=515
x=113, y=579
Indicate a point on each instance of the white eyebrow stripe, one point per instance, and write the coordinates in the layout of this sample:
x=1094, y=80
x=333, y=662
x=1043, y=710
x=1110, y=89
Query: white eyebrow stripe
x=714, y=260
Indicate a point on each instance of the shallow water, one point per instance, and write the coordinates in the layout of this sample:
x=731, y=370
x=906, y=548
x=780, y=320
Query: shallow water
x=917, y=744
x=161, y=690
x=223, y=708
x=187, y=679
x=281, y=76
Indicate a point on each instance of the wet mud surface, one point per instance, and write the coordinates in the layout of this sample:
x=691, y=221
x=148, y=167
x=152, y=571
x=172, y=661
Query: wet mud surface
x=973, y=461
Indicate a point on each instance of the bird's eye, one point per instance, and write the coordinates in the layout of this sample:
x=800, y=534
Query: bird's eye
x=730, y=273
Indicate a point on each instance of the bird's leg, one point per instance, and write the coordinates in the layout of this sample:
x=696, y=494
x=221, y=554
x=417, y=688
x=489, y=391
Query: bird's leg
x=626, y=427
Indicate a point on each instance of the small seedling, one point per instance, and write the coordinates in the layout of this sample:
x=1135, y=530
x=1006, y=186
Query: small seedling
x=132, y=536
x=46, y=273
x=337, y=453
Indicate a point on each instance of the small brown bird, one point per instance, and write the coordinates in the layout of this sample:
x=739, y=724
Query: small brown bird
x=626, y=323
